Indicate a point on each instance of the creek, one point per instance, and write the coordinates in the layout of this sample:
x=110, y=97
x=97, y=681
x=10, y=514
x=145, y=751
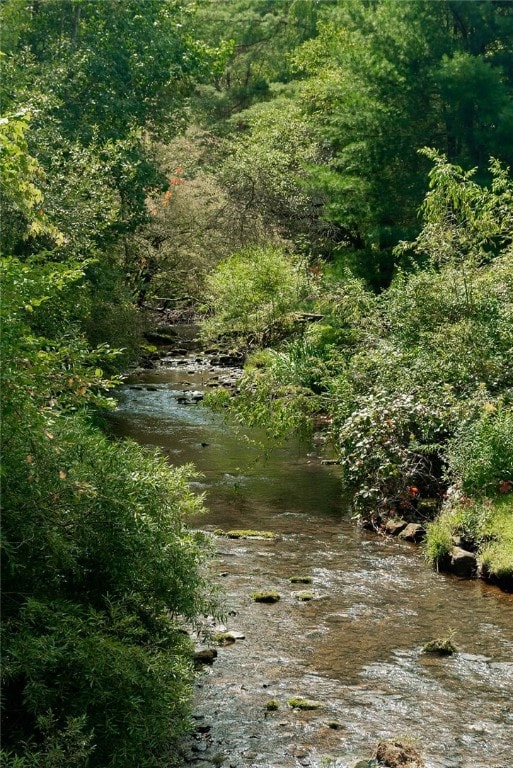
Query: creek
x=356, y=647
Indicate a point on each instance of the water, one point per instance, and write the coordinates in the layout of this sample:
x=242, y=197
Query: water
x=356, y=648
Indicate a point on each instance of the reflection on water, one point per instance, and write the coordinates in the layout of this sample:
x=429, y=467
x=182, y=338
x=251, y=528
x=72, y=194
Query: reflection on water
x=357, y=646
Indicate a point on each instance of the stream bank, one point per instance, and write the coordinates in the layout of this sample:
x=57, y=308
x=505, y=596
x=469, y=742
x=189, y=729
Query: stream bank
x=356, y=647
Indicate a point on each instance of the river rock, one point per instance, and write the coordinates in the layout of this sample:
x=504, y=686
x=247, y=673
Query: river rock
x=190, y=398
x=413, y=532
x=226, y=638
x=394, y=753
x=463, y=563
x=205, y=656
x=395, y=525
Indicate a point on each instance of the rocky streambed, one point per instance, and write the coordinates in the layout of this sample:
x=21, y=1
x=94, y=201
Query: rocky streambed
x=355, y=646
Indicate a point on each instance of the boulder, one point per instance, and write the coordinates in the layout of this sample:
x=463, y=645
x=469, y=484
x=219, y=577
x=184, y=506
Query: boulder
x=205, y=656
x=395, y=753
x=463, y=563
x=413, y=532
x=395, y=525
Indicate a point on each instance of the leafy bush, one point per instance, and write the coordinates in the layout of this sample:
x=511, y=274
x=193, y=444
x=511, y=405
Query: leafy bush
x=253, y=291
x=99, y=572
x=281, y=389
x=438, y=542
x=481, y=454
x=389, y=449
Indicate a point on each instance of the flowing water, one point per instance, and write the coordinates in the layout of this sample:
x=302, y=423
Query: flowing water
x=356, y=648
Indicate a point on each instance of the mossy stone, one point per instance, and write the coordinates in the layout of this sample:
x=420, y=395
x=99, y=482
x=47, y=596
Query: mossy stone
x=304, y=596
x=266, y=596
x=305, y=704
x=249, y=534
x=442, y=646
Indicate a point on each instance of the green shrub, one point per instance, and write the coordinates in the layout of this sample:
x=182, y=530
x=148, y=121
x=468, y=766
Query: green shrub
x=254, y=290
x=388, y=449
x=98, y=572
x=438, y=542
x=66, y=745
x=481, y=454
x=496, y=559
x=496, y=553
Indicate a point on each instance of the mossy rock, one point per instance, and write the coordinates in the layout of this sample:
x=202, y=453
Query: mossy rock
x=300, y=579
x=224, y=638
x=441, y=646
x=305, y=704
x=230, y=634
x=272, y=705
x=247, y=534
x=266, y=596
x=304, y=596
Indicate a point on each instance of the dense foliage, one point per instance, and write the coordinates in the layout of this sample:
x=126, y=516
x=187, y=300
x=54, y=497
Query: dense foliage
x=266, y=162
x=99, y=571
x=416, y=382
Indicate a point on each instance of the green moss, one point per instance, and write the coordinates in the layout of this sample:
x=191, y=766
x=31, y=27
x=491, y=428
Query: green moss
x=304, y=596
x=266, y=596
x=299, y=703
x=223, y=637
x=272, y=705
x=441, y=646
x=300, y=579
x=247, y=534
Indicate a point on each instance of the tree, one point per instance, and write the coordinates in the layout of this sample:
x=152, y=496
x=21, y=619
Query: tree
x=100, y=81
x=387, y=78
x=258, y=36
x=116, y=66
x=266, y=168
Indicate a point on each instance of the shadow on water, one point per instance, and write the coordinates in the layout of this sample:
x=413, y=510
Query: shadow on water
x=356, y=647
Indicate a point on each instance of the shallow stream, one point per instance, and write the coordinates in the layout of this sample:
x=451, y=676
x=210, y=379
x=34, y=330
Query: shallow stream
x=356, y=648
